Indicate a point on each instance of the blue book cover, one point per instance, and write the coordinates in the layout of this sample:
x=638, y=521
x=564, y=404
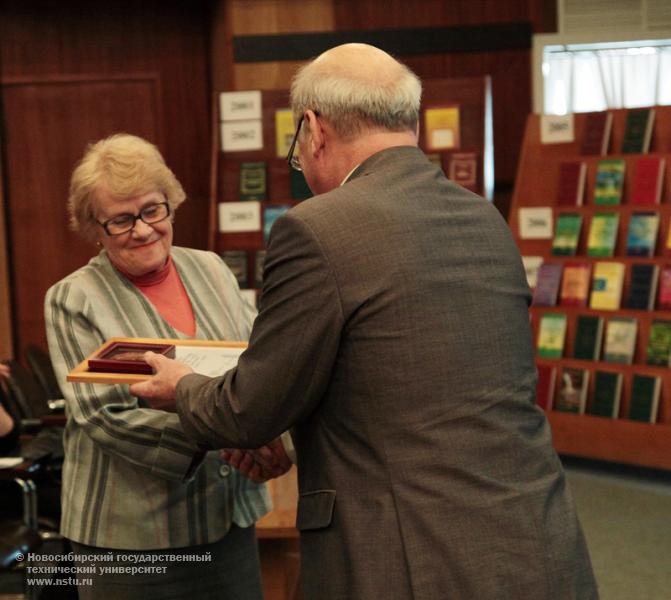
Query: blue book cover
x=642, y=234
x=270, y=215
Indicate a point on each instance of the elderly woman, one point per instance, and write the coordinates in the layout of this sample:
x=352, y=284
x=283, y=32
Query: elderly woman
x=132, y=481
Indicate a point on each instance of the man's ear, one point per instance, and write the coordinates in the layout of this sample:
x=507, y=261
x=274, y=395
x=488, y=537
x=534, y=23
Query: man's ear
x=317, y=139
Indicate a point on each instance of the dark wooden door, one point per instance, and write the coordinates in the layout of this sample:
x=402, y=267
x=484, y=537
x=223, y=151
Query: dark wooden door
x=47, y=124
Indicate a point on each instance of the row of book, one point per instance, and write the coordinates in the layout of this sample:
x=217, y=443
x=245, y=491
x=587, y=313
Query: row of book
x=646, y=188
x=600, y=285
x=641, y=240
x=637, y=132
x=571, y=393
x=254, y=182
x=619, y=342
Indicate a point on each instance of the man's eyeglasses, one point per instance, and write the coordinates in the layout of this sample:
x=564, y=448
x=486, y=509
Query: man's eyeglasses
x=154, y=213
x=295, y=161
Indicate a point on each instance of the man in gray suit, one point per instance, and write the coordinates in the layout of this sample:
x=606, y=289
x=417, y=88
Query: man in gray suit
x=393, y=337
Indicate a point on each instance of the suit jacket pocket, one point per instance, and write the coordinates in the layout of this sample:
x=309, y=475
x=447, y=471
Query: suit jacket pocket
x=315, y=509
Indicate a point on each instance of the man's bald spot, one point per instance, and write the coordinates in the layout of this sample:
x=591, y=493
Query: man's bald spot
x=359, y=62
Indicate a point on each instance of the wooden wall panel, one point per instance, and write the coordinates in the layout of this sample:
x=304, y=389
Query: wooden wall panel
x=39, y=160
x=509, y=69
x=6, y=344
x=275, y=16
x=40, y=39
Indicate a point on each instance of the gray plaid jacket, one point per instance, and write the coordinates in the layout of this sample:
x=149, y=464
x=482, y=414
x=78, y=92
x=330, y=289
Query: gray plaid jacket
x=127, y=476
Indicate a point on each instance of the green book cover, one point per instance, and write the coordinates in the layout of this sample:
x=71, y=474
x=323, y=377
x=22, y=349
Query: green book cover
x=659, y=343
x=620, y=344
x=607, y=392
x=588, y=335
x=572, y=394
x=551, y=335
x=602, y=234
x=638, y=130
x=567, y=234
x=253, y=181
x=644, y=398
x=609, y=181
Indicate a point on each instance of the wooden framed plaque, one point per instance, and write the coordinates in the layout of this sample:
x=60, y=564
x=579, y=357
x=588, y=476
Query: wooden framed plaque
x=119, y=360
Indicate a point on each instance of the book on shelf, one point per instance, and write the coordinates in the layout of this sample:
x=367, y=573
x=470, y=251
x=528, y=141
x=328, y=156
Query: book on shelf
x=596, y=133
x=270, y=215
x=572, y=393
x=602, y=235
x=620, y=344
x=659, y=343
x=253, y=181
x=575, y=283
x=647, y=182
x=644, y=398
x=571, y=185
x=609, y=182
x=664, y=294
x=607, y=282
x=638, y=130
x=607, y=394
x=236, y=261
x=532, y=265
x=588, y=336
x=442, y=129
x=567, y=234
x=642, y=234
x=545, y=386
x=547, y=285
x=259, y=261
x=557, y=129
x=462, y=168
x=551, y=335
x=642, y=287
x=284, y=131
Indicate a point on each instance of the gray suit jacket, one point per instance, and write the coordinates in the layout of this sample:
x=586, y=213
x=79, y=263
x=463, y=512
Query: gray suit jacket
x=394, y=327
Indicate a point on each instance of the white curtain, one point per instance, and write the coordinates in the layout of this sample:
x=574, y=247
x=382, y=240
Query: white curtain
x=592, y=80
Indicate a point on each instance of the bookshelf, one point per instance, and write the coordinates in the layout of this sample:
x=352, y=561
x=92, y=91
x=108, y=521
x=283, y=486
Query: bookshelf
x=474, y=156
x=538, y=178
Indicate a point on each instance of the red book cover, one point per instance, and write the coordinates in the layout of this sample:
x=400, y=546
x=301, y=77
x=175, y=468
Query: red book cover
x=575, y=283
x=545, y=387
x=647, y=182
x=596, y=133
x=571, y=184
x=664, y=294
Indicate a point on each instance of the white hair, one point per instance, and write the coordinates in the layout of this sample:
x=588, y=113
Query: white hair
x=352, y=102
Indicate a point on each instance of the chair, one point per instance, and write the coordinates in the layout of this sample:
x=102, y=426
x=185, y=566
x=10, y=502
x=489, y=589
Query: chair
x=40, y=364
x=17, y=542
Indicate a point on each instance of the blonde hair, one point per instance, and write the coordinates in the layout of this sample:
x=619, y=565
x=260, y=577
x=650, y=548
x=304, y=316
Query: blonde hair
x=353, y=99
x=122, y=165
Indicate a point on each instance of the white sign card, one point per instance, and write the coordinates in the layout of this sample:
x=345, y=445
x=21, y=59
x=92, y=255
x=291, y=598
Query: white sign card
x=556, y=129
x=241, y=135
x=535, y=223
x=240, y=106
x=239, y=216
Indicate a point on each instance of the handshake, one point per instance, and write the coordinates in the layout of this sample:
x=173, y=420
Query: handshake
x=261, y=464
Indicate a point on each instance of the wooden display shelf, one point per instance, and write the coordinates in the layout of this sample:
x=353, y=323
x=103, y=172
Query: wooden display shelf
x=619, y=440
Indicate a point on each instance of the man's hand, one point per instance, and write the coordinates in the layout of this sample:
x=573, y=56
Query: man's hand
x=262, y=464
x=160, y=389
